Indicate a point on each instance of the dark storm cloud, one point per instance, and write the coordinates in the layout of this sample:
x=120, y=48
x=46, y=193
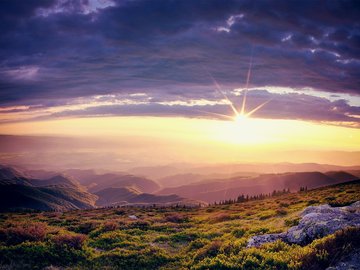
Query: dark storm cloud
x=51, y=51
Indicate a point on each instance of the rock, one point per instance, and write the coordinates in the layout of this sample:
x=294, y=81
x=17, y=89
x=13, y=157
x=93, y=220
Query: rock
x=316, y=222
x=258, y=240
x=133, y=217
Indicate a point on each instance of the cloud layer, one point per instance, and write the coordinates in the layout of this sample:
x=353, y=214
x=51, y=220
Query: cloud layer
x=57, y=52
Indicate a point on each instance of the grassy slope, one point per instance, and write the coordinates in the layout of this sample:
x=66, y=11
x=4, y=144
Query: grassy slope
x=167, y=238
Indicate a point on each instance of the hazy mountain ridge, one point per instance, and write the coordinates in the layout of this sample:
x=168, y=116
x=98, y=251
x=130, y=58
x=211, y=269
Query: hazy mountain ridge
x=158, y=172
x=222, y=189
x=17, y=197
x=126, y=196
x=59, y=180
x=96, y=182
x=57, y=193
x=190, y=178
x=63, y=192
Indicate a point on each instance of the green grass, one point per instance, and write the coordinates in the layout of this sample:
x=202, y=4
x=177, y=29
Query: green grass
x=213, y=237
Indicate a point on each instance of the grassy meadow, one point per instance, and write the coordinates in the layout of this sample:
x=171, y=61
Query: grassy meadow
x=213, y=237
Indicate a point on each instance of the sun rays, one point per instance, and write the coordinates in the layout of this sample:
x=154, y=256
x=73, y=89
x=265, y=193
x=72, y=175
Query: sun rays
x=238, y=117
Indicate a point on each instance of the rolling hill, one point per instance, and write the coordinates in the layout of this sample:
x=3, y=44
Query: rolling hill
x=57, y=193
x=96, y=182
x=213, y=237
x=20, y=197
x=158, y=172
x=58, y=181
x=127, y=196
x=222, y=189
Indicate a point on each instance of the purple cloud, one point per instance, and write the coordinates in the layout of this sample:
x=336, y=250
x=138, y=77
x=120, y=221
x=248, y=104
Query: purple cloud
x=54, y=51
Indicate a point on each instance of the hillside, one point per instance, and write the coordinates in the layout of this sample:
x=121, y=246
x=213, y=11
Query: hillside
x=9, y=175
x=57, y=193
x=214, y=237
x=126, y=196
x=158, y=172
x=190, y=178
x=115, y=196
x=222, y=189
x=19, y=197
x=96, y=182
x=57, y=180
x=117, y=180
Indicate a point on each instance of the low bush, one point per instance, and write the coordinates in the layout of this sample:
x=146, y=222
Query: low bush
x=290, y=222
x=220, y=217
x=148, y=258
x=331, y=248
x=110, y=226
x=184, y=236
x=22, y=232
x=210, y=250
x=238, y=232
x=281, y=212
x=176, y=218
x=87, y=227
x=311, y=202
x=71, y=240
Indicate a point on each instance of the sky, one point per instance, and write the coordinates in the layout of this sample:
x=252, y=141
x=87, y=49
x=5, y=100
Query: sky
x=182, y=72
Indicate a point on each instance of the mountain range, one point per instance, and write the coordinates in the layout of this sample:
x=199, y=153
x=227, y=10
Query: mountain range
x=80, y=189
x=56, y=193
x=211, y=190
x=45, y=190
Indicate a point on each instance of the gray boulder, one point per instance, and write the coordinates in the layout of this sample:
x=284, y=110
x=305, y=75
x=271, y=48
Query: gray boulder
x=316, y=222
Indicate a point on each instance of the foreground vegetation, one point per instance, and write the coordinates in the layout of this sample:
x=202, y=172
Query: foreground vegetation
x=213, y=237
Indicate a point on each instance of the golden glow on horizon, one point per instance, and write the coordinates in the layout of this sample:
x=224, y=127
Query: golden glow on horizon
x=247, y=133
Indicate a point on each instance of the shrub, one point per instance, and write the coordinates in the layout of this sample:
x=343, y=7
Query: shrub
x=238, y=233
x=176, y=218
x=28, y=255
x=147, y=258
x=340, y=203
x=210, y=250
x=281, y=212
x=283, y=204
x=141, y=225
x=184, y=236
x=110, y=226
x=290, y=222
x=330, y=198
x=259, y=230
x=221, y=217
x=87, y=227
x=18, y=233
x=330, y=248
x=311, y=202
x=111, y=240
x=265, y=216
x=197, y=244
x=120, y=212
x=75, y=241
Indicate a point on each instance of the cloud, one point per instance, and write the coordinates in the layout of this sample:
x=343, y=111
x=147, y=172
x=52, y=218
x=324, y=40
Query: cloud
x=55, y=51
x=22, y=73
x=277, y=106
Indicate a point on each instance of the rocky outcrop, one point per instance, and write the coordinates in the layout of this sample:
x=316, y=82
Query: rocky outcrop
x=316, y=222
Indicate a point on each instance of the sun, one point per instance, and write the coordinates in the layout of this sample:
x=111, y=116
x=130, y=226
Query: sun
x=241, y=118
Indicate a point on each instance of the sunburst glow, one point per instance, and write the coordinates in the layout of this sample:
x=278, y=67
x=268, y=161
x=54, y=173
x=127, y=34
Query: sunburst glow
x=241, y=117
